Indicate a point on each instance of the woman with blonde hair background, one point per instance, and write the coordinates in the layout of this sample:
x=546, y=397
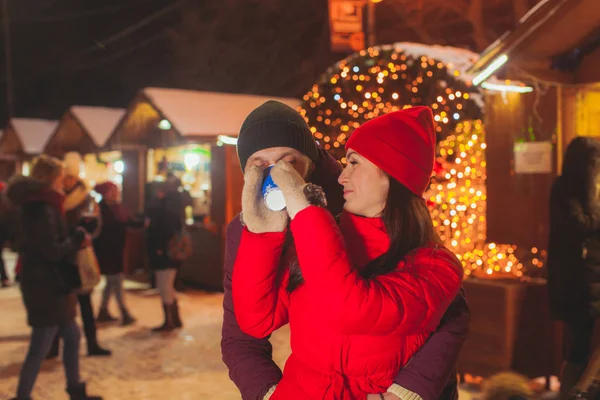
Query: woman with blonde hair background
x=48, y=274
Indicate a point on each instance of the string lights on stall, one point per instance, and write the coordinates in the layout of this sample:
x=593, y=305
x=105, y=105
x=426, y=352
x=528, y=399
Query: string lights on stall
x=457, y=200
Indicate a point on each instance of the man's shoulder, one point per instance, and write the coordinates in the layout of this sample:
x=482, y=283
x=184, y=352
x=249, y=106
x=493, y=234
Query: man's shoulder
x=234, y=228
x=232, y=242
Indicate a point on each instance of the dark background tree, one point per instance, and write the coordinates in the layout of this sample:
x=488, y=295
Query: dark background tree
x=68, y=52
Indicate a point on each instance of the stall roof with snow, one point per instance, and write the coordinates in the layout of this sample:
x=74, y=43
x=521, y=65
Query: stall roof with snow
x=162, y=117
x=24, y=137
x=556, y=41
x=84, y=129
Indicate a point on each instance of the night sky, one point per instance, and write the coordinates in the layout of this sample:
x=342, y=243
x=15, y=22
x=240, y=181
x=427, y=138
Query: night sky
x=67, y=52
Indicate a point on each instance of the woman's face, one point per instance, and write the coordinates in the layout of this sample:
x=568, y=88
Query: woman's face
x=58, y=183
x=366, y=186
x=112, y=195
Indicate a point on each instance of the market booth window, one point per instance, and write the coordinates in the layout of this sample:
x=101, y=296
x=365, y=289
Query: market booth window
x=103, y=167
x=191, y=164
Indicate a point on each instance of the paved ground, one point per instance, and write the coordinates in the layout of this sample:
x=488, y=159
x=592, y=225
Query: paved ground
x=144, y=365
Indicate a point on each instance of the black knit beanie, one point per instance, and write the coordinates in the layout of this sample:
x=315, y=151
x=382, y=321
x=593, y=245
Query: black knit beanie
x=275, y=124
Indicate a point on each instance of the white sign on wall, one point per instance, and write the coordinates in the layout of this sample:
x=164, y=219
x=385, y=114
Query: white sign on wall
x=533, y=157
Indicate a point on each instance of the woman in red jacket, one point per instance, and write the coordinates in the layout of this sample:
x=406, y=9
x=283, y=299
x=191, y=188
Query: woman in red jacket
x=364, y=296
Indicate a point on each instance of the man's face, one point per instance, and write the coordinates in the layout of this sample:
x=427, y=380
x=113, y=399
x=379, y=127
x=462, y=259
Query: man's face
x=112, y=196
x=69, y=181
x=265, y=157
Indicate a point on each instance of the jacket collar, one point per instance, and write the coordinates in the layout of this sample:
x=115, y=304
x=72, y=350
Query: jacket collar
x=366, y=238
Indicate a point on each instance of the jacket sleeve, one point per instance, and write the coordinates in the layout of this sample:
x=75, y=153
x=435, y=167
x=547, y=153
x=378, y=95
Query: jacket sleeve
x=260, y=299
x=41, y=230
x=578, y=220
x=98, y=229
x=570, y=210
x=249, y=360
x=430, y=369
x=412, y=299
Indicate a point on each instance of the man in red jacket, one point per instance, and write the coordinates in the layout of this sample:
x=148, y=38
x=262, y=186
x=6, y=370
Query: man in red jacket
x=276, y=132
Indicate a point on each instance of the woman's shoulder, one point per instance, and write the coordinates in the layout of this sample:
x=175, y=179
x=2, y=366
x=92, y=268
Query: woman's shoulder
x=37, y=215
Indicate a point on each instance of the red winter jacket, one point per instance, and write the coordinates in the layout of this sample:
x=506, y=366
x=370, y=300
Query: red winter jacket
x=349, y=335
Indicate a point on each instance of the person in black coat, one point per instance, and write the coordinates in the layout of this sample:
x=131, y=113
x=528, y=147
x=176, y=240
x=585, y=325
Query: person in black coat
x=5, y=230
x=166, y=217
x=110, y=248
x=574, y=253
x=81, y=211
x=48, y=251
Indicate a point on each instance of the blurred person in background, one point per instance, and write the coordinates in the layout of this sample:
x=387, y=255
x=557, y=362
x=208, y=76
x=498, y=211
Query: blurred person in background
x=574, y=254
x=110, y=248
x=507, y=386
x=48, y=254
x=81, y=211
x=166, y=222
x=5, y=229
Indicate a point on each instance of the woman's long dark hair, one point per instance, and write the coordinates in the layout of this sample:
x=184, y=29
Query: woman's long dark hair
x=408, y=223
x=580, y=172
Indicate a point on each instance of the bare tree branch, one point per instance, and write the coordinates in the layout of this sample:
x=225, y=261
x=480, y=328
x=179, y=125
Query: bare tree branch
x=413, y=24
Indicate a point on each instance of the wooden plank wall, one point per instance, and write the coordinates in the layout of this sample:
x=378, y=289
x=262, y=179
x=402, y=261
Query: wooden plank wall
x=517, y=205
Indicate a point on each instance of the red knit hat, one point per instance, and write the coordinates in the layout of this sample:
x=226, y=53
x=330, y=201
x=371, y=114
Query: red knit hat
x=401, y=143
x=104, y=187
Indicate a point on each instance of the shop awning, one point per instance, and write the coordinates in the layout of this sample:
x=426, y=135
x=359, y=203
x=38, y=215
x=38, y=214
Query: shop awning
x=84, y=129
x=557, y=41
x=26, y=136
x=162, y=117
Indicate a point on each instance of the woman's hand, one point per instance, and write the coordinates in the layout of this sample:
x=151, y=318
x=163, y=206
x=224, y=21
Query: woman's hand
x=292, y=186
x=87, y=241
x=255, y=214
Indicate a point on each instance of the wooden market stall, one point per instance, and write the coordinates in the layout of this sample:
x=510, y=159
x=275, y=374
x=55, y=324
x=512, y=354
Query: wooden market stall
x=191, y=134
x=557, y=44
x=21, y=140
x=555, y=50
x=85, y=130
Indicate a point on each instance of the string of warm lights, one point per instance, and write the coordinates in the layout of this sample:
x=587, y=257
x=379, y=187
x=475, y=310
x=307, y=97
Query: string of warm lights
x=381, y=80
x=457, y=199
x=385, y=79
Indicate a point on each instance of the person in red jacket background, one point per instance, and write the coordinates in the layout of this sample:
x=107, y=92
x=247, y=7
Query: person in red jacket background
x=431, y=367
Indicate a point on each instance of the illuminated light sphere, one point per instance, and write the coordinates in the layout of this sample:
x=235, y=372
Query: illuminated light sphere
x=119, y=167
x=417, y=78
x=164, y=125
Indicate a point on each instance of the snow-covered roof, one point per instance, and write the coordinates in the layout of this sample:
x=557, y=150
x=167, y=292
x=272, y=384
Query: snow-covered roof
x=99, y=122
x=33, y=133
x=456, y=59
x=195, y=113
